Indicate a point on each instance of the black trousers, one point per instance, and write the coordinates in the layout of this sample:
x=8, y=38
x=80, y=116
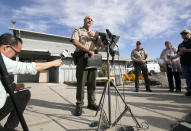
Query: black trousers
x=83, y=76
x=21, y=98
x=176, y=76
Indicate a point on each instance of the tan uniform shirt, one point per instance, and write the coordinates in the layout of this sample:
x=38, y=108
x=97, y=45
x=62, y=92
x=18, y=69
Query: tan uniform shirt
x=81, y=34
x=139, y=55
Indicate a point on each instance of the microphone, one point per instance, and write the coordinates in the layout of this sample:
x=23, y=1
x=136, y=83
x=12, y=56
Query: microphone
x=109, y=33
x=64, y=54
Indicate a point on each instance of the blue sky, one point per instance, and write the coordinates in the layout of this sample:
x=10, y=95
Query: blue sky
x=150, y=21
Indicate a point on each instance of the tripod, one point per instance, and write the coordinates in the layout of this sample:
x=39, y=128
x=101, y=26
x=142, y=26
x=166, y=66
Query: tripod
x=103, y=114
x=8, y=85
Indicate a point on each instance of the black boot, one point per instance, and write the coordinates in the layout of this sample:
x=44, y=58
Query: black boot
x=187, y=94
x=93, y=107
x=148, y=90
x=7, y=128
x=136, y=89
x=78, y=111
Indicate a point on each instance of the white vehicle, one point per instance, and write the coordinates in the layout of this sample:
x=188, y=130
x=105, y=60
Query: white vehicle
x=153, y=67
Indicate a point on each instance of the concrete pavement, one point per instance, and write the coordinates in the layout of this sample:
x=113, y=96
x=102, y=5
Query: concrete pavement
x=52, y=106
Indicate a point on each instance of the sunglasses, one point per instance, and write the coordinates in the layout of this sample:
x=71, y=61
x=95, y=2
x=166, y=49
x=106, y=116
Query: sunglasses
x=184, y=33
x=16, y=52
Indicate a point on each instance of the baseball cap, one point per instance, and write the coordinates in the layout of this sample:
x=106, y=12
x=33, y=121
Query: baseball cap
x=186, y=31
x=138, y=43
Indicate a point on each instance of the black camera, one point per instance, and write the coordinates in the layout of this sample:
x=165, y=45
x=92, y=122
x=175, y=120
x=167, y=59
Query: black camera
x=109, y=39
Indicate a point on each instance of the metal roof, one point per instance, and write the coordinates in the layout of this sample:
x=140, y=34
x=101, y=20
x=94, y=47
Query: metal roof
x=39, y=33
x=36, y=41
x=54, y=44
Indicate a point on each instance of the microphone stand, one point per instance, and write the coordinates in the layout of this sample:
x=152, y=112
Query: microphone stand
x=8, y=85
x=103, y=115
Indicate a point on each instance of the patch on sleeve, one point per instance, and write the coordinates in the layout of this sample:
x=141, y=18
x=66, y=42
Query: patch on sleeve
x=76, y=30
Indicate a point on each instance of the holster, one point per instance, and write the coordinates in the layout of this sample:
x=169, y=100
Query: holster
x=75, y=56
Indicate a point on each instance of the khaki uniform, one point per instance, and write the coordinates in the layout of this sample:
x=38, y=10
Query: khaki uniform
x=140, y=55
x=84, y=75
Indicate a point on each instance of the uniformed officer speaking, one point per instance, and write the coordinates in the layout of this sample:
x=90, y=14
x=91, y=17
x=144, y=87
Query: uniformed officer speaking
x=140, y=57
x=85, y=39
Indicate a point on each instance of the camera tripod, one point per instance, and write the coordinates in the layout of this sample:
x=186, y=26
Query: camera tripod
x=103, y=115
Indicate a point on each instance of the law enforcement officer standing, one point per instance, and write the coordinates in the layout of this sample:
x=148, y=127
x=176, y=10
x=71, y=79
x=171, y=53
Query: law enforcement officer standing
x=140, y=57
x=85, y=39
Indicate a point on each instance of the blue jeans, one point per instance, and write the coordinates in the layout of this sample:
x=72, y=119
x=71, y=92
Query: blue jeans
x=186, y=71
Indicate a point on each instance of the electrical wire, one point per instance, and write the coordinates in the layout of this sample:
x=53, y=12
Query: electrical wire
x=121, y=75
x=144, y=125
x=117, y=109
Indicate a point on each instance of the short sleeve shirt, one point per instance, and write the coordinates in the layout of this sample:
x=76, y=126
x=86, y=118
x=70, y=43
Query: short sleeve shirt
x=81, y=34
x=139, y=55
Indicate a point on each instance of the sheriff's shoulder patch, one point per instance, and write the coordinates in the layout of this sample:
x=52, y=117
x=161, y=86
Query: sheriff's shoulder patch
x=76, y=30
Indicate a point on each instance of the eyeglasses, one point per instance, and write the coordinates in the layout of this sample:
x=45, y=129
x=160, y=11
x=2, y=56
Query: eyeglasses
x=16, y=52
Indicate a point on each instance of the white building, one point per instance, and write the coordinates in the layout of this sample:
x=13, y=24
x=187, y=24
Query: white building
x=40, y=47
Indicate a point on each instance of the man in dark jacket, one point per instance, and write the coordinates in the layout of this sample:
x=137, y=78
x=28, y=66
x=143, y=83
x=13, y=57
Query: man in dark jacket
x=184, y=51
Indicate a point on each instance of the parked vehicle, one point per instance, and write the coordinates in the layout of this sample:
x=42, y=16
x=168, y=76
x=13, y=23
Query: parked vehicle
x=153, y=67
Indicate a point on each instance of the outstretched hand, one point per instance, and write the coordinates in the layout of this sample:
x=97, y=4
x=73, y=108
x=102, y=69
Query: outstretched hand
x=57, y=62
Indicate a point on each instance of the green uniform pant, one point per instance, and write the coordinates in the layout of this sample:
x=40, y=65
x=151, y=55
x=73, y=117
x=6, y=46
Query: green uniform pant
x=138, y=68
x=85, y=75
